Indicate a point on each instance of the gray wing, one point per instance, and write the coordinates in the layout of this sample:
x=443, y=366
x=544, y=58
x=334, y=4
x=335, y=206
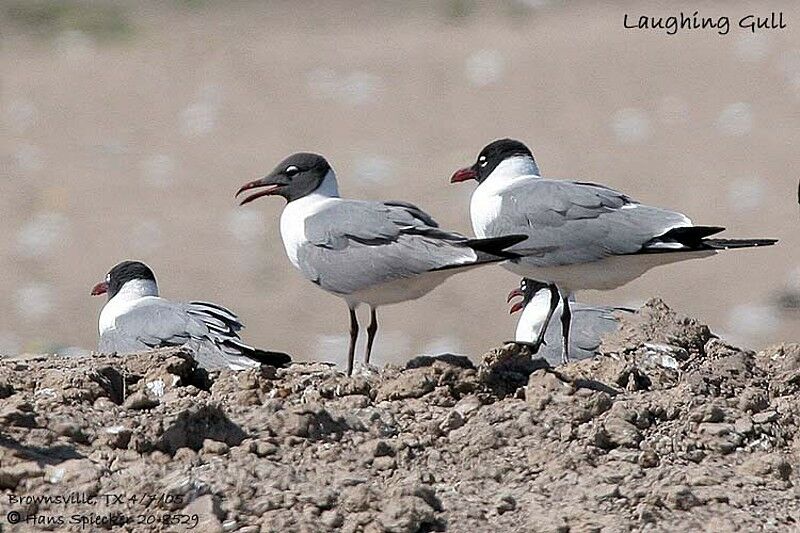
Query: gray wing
x=208, y=330
x=583, y=221
x=589, y=326
x=154, y=324
x=352, y=245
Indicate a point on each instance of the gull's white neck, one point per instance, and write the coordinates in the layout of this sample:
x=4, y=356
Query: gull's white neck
x=293, y=218
x=130, y=293
x=514, y=167
x=486, y=202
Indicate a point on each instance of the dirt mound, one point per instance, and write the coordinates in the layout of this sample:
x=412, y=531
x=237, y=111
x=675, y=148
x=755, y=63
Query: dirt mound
x=671, y=430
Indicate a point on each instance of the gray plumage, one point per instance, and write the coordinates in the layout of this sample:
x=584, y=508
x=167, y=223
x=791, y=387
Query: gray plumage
x=353, y=245
x=209, y=332
x=589, y=325
x=136, y=319
x=582, y=222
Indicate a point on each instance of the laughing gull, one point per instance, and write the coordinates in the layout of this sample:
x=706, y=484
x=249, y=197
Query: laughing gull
x=589, y=323
x=598, y=238
x=375, y=253
x=135, y=319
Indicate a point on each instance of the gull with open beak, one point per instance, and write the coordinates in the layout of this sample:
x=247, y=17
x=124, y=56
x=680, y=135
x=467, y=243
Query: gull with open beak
x=534, y=329
x=373, y=253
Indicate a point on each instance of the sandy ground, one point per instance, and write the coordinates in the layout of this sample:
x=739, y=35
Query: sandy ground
x=671, y=429
x=129, y=126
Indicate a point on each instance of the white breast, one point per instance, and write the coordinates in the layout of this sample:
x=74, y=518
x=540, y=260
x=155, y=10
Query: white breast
x=484, y=208
x=132, y=294
x=293, y=218
x=488, y=197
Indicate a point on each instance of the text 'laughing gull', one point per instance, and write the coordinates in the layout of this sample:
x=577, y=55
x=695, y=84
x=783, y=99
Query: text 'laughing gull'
x=375, y=253
x=597, y=238
x=135, y=319
x=534, y=329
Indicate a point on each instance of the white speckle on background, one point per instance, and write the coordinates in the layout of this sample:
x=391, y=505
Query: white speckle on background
x=29, y=158
x=34, y=300
x=146, y=237
x=746, y=194
x=158, y=170
x=736, y=120
x=360, y=88
x=74, y=45
x=200, y=116
x=443, y=345
x=534, y=4
x=331, y=349
x=390, y=346
x=352, y=88
x=793, y=279
x=631, y=125
x=72, y=351
x=789, y=64
x=198, y=119
x=747, y=321
x=673, y=110
x=246, y=226
x=373, y=169
x=751, y=47
x=485, y=67
x=42, y=234
x=20, y=114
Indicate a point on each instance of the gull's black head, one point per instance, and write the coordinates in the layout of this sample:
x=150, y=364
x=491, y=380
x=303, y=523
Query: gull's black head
x=294, y=177
x=121, y=274
x=527, y=290
x=492, y=155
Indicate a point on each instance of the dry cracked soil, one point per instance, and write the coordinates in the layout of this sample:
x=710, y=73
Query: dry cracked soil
x=671, y=429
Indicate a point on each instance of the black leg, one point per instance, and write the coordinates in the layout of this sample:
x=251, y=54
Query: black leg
x=353, y=338
x=371, y=331
x=566, y=321
x=554, y=299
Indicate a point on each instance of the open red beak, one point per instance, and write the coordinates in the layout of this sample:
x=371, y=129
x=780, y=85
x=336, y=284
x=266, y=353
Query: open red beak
x=100, y=288
x=463, y=174
x=517, y=305
x=269, y=189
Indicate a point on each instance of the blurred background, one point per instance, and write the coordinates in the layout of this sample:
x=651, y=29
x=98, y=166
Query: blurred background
x=128, y=127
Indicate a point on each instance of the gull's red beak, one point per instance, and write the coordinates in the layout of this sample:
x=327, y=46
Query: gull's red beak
x=517, y=305
x=100, y=288
x=463, y=174
x=269, y=189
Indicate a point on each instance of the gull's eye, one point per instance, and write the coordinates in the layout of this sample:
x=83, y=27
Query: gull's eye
x=108, y=278
x=291, y=170
x=482, y=161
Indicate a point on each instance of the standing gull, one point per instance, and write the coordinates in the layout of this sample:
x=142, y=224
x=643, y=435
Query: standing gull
x=375, y=253
x=589, y=323
x=595, y=237
x=135, y=319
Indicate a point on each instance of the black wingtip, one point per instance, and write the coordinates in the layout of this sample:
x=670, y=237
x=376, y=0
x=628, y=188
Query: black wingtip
x=730, y=244
x=495, y=245
x=265, y=357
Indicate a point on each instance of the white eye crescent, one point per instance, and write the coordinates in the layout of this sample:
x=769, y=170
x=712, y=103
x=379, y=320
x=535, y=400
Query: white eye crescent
x=291, y=170
x=482, y=160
